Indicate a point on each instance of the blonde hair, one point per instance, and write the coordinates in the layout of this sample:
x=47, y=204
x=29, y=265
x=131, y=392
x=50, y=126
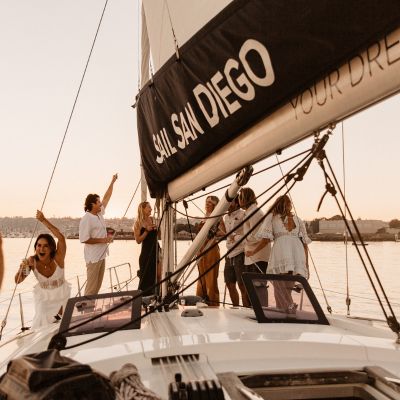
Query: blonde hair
x=140, y=213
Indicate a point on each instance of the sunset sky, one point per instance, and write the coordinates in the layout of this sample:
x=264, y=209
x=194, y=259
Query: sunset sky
x=44, y=45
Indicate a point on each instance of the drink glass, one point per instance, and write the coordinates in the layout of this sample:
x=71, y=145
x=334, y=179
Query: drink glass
x=25, y=267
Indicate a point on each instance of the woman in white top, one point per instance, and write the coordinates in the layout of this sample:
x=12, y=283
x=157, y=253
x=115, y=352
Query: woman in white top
x=289, y=254
x=52, y=291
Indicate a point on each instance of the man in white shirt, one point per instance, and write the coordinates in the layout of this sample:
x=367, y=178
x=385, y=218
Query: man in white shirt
x=93, y=233
x=234, y=261
x=257, y=262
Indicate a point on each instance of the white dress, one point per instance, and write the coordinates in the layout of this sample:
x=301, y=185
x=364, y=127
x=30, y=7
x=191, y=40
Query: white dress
x=287, y=253
x=49, y=295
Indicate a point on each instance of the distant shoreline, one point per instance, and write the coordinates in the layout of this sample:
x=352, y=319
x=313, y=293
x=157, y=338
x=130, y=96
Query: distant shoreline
x=367, y=237
x=316, y=237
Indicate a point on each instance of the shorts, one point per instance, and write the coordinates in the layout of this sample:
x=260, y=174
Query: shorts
x=259, y=267
x=234, y=268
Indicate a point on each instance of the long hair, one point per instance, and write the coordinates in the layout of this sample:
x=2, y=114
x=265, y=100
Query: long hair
x=234, y=205
x=51, y=242
x=280, y=206
x=90, y=200
x=140, y=213
x=247, y=197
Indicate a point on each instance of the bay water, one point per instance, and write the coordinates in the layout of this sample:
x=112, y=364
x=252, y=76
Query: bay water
x=334, y=267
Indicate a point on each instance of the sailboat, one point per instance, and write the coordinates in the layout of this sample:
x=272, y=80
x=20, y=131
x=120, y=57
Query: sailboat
x=231, y=83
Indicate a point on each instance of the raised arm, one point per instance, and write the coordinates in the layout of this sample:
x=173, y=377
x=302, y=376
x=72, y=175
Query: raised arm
x=1, y=261
x=61, y=244
x=108, y=193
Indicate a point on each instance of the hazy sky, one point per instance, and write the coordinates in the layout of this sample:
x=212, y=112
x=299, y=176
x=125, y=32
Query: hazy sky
x=44, y=45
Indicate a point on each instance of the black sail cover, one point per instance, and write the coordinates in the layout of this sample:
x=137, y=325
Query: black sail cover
x=249, y=60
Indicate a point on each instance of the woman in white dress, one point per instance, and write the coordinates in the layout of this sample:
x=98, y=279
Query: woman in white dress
x=52, y=291
x=289, y=253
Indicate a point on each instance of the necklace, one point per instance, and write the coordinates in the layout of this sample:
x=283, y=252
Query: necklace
x=45, y=266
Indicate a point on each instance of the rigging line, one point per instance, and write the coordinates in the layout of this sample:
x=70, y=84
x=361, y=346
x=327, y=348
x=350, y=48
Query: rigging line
x=255, y=173
x=289, y=176
x=348, y=299
x=392, y=321
x=256, y=225
x=60, y=334
x=134, y=194
x=361, y=240
x=185, y=205
x=173, y=31
x=166, y=279
x=59, y=152
x=160, y=283
x=197, y=208
x=281, y=162
x=73, y=108
x=238, y=226
x=328, y=307
x=309, y=153
x=180, y=269
x=139, y=72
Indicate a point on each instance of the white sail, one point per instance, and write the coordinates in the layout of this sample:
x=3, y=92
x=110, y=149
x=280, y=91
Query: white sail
x=183, y=17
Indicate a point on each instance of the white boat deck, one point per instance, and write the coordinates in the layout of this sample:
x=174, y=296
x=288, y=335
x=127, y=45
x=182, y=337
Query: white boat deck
x=225, y=340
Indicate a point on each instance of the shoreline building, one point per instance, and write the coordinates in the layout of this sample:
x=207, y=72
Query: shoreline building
x=338, y=226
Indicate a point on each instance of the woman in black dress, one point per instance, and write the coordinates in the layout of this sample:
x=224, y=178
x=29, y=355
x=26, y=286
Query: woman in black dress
x=146, y=233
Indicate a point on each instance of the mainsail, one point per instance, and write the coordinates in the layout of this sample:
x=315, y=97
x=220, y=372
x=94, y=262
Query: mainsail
x=258, y=76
